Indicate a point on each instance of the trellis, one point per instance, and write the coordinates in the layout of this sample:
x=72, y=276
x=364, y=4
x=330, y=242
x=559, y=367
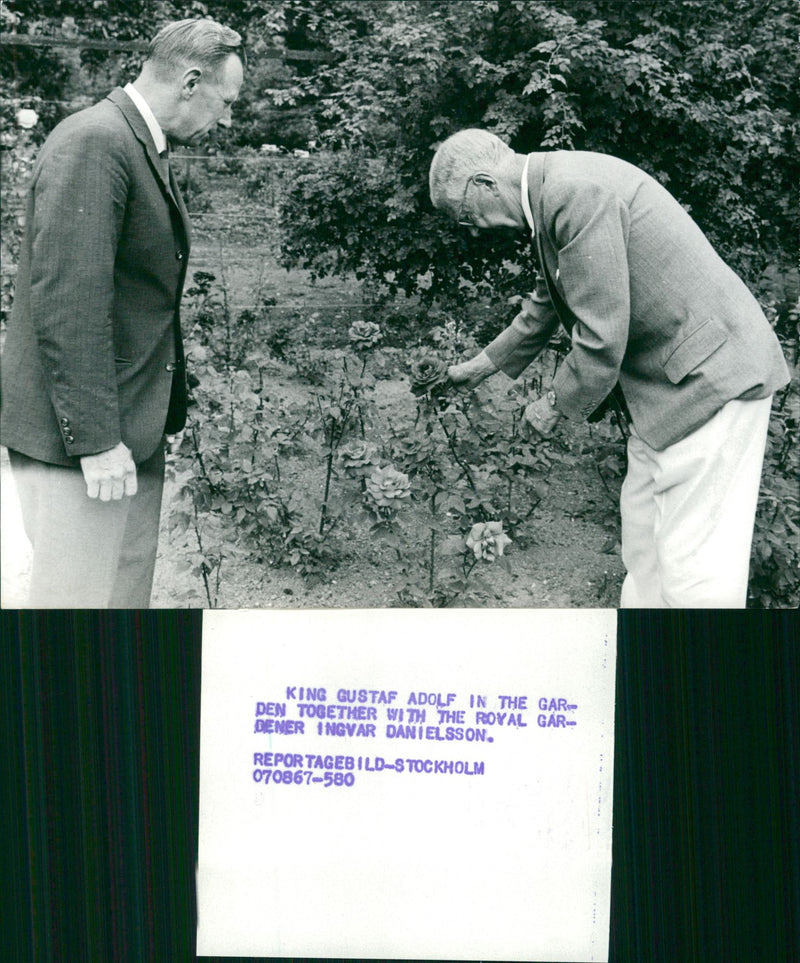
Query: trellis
x=269, y=53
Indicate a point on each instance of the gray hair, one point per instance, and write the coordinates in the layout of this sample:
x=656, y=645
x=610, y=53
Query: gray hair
x=463, y=154
x=202, y=43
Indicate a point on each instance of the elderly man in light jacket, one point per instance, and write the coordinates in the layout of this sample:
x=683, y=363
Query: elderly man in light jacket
x=653, y=311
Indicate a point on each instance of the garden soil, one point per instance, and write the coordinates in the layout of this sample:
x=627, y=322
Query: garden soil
x=562, y=556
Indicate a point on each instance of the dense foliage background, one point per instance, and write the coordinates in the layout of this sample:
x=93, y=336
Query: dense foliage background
x=703, y=94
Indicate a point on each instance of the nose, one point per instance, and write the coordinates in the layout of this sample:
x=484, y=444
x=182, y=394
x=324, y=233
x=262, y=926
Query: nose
x=226, y=119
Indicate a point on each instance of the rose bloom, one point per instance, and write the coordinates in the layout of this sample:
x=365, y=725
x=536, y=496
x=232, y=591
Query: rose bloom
x=387, y=485
x=487, y=540
x=427, y=375
x=364, y=334
x=414, y=450
x=357, y=454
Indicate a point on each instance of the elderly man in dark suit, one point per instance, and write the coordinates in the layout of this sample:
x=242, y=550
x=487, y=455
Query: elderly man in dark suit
x=652, y=311
x=93, y=373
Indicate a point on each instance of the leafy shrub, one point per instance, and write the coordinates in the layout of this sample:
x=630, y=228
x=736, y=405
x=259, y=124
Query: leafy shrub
x=694, y=92
x=775, y=560
x=279, y=337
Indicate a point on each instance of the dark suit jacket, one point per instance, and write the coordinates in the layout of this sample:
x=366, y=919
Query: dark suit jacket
x=93, y=353
x=646, y=299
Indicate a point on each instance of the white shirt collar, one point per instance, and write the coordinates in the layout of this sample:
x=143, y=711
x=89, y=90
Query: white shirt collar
x=526, y=204
x=152, y=124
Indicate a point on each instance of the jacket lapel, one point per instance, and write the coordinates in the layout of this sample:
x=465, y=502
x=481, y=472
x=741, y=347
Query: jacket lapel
x=139, y=128
x=536, y=175
x=179, y=203
x=544, y=249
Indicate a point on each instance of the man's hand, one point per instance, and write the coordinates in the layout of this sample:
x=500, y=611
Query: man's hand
x=469, y=374
x=110, y=474
x=541, y=416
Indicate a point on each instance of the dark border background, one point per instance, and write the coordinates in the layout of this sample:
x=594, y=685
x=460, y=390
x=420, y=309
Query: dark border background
x=100, y=735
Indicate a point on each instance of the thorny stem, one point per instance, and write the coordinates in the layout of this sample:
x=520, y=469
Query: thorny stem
x=456, y=458
x=260, y=408
x=333, y=439
x=324, y=512
x=392, y=431
x=199, y=455
x=432, y=569
x=225, y=304
x=483, y=437
x=468, y=564
x=217, y=580
x=788, y=445
x=603, y=480
x=196, y=525
x=203, y=566
x=360, y=407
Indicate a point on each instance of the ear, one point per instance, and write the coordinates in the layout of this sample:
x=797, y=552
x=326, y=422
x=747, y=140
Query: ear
x=189, y=82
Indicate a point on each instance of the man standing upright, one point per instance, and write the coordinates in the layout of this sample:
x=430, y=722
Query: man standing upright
x=652, y=310
x=93, y=373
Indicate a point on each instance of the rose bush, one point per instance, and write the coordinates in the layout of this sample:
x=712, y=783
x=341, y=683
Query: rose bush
x=386, y=486
x=429, y=377
x=364, y=334
x=358, y=454
x=413, y=450
x=487, y=540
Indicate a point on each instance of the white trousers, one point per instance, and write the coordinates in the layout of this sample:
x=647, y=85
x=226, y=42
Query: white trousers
x=88, y=553
x=688, y=512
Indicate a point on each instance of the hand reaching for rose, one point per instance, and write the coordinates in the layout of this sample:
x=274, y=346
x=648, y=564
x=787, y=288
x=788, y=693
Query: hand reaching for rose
x=469, y=374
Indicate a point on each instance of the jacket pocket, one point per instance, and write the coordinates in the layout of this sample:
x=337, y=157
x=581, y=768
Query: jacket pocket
x=122, y=362
x=694, y=349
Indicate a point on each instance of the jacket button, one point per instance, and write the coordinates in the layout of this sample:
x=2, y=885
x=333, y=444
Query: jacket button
x=170, y=366
x=179, y=255
x=69, y=439
x=64, y=422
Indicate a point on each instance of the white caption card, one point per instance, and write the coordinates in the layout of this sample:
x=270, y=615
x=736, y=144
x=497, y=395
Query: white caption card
x=400, y=784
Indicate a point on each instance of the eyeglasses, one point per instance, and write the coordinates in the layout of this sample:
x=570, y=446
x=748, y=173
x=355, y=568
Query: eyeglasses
x=465, y=220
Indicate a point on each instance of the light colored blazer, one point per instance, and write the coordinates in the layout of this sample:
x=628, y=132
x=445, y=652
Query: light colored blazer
x=646, y=300
x=93, y=351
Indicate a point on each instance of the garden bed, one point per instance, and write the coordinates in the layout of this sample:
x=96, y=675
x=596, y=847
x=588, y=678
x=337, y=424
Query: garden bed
x=564, y=554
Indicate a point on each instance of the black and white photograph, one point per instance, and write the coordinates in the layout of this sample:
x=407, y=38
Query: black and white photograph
x=324, y=303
